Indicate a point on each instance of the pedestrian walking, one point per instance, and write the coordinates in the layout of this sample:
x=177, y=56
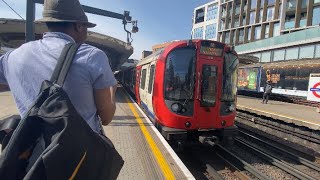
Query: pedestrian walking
x=267, y=92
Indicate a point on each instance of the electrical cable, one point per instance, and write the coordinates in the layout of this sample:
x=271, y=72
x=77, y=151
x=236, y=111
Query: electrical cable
x=12, y=9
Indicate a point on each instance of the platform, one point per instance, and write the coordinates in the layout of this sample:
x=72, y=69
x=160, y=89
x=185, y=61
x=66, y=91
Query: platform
x=145, y=152
x=291, y=113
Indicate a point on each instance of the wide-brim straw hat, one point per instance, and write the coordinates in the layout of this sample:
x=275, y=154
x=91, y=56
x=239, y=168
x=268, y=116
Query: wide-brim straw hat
x=64, y=11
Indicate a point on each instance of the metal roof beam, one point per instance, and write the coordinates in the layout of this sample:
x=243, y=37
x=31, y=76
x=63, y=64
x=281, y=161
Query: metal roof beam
x=96, y=11
x=30, y=17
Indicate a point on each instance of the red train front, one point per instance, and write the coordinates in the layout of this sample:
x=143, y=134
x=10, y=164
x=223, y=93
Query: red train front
x=188, y=89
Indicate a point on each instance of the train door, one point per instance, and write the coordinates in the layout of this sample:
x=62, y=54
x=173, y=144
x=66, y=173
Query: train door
x=149, y=88
x=207, y=93
x=137, y=86
x=144, y=85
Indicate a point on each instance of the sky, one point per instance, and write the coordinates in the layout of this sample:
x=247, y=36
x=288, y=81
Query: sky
x=159, y=21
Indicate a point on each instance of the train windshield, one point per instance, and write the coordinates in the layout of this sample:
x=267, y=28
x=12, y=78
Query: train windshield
x=180, y=74
x=230, y=72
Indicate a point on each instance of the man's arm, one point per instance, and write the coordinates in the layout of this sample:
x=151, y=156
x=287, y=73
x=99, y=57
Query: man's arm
x=104, y=85
x=105, y=103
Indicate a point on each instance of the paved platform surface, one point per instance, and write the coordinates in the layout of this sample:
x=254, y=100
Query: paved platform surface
x=7, y=105
x=292, y=113
x=146, y=154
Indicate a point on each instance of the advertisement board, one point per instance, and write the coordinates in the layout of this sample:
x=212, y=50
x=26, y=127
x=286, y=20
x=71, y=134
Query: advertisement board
x=248, y=78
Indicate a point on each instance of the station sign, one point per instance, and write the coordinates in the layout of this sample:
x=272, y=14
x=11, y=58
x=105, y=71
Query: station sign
x=314, y=87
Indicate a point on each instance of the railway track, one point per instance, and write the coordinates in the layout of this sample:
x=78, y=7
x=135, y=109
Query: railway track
x=280, y=126
x=218, y=163
x=278, y=150
x=300, y=138
x=243, y=169
x=277, y=161
x=274, y=162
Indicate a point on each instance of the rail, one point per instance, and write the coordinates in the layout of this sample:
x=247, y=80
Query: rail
x=290, y=155
x=240, y=163
x=275, y=161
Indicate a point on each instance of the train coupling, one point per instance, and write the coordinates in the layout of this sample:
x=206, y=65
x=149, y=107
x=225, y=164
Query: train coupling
x=209, y=140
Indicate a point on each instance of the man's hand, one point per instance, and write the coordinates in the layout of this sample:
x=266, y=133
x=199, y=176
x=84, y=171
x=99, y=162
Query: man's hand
x=105, y=103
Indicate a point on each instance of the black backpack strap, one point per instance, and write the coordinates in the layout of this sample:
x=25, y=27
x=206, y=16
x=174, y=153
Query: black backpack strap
x=64, y=62
x=7, y=126
x=59, y=65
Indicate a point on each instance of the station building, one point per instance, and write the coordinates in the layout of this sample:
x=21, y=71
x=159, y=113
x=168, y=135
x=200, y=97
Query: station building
x=272, y=30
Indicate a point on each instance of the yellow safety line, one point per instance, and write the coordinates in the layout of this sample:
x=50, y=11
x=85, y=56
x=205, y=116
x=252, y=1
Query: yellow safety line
x=167, y=172
x=294, y=118
x=78, y=166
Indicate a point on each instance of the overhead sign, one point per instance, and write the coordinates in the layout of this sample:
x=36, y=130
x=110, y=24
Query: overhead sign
x=314, y=88
x=211, y=48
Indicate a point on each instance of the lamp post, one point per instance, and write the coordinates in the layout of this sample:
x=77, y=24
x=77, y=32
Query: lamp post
x=30, y=16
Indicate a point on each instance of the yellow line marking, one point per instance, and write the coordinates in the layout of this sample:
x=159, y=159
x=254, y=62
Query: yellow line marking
x=289, y=117
x=167, y=172
x=78, y=166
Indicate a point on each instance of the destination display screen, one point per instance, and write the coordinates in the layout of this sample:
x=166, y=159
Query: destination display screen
x=211, y=48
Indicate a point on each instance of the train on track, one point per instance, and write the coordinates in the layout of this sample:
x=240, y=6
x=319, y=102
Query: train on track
x=188, y=89
x=289, y=78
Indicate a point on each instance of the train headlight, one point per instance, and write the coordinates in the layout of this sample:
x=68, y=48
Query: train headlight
x=232, y=107
x=176, y=107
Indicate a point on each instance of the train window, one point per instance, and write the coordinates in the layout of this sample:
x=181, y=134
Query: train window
x=230, y=75
x=133, y=76
x=143, y=78
x=180, y=74
x=151, y=79
x=209, y=85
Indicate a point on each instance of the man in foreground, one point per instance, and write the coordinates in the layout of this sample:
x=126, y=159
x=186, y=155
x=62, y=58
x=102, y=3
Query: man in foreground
x=90, y=83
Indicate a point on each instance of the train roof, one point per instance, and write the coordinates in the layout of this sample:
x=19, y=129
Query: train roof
x=152, y=57
x=282, y=64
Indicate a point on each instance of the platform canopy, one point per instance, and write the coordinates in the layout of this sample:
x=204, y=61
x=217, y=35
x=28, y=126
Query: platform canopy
x=247, y=59
x=12, y=35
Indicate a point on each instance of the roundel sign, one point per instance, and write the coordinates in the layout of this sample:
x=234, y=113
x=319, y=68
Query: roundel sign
x=314, y=88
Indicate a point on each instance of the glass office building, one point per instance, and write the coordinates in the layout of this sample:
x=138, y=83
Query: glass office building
x=239, y=22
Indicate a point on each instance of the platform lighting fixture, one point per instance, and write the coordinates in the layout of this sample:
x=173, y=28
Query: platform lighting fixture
x=127, y=19
x=134, y=27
